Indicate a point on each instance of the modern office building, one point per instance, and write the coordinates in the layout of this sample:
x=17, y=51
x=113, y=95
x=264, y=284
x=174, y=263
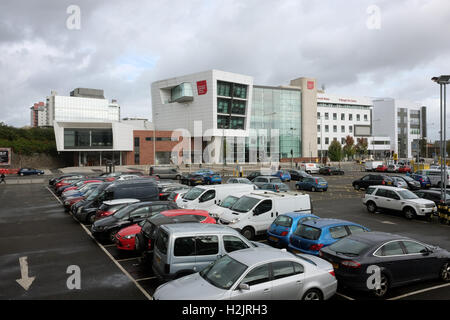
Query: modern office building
x=404, y=122
x=214, y=105
x=38, y=115
x=82, y=105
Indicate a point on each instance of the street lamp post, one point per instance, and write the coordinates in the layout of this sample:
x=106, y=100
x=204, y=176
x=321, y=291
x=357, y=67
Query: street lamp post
x=443, y=80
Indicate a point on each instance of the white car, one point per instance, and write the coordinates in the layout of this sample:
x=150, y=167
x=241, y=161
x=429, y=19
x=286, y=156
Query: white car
x=397, y=199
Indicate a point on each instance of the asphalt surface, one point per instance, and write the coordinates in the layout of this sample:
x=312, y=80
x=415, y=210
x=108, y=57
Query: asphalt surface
x=33, y=224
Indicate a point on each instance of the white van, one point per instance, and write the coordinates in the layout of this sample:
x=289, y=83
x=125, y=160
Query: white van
x=310, y=167
x=434, y=175
x=372, y=165
x=253, y=213
x=203, y=197
x=216, y=210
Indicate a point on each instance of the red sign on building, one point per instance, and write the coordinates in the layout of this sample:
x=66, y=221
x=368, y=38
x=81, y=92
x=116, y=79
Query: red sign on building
x=310, y=85
x=201, y=87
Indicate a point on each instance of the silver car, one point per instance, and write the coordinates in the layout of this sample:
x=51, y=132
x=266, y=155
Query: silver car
x=256, y=274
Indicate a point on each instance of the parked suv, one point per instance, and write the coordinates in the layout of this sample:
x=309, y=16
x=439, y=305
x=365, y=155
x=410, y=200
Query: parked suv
x=372, y=180
x=165, y=173
x=185, y=248
x=397, y=199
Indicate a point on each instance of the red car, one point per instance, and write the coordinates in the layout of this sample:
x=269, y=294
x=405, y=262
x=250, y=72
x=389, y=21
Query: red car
x=381, y=168
x=125, y=238
x=404, y=169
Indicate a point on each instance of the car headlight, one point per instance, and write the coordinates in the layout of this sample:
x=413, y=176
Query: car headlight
x=235, y=220
x=130, y=236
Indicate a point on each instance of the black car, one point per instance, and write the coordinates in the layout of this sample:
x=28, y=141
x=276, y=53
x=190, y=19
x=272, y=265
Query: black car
x=166, y=189
x=85, y=210
x=331, y=171
x=106, y=228
x=412, y=184
x=397, y=260
x=298, y=175
x=432, y=195
x=149, y=229
x=253, y=175
x=192, y=179
x=372, y=180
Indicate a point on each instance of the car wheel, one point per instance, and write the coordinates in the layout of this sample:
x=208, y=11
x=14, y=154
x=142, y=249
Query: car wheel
x=445, y=272
x=90, y=218
x=313, y=189
x=248, y=233
x=38, y=173
x=356, y=187
x=178, y=177
x=312, y=294
x=384, y=286
x=409, y=213
x=371, y=207
x=325, y=189
x=21, y=174
x=112, y=235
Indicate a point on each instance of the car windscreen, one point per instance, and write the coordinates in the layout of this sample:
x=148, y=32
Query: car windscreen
x=95, y=193
x=228, y=201
x=308, y=232
x=194, y=193
x=406, y=194
x=123, y=212
x=244, y=204
x=350, y=247
x=283, y=221
x=223, y=273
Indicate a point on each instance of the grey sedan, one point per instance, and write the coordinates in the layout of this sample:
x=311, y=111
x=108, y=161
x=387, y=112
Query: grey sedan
x=256, y=274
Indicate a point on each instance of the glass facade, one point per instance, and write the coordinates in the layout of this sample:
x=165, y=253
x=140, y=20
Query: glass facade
x=84, y=109
x=231, y=105
x=275, y=108
x=88, y=138
x=182, y=92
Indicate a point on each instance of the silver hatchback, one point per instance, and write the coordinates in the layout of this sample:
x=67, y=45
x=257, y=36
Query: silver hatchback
x=256, y=274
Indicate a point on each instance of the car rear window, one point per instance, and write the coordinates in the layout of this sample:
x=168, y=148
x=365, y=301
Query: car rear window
x=338, y=232
x=349, y=247
x=308, y=232
x=370, y=190
x=283, y=221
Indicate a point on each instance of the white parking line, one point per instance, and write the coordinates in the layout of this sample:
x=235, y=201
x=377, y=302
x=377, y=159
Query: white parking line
x=149, y=297
x=387, y=222
x=420, y=291
x=344, y=296
x=107, y=245
x=128, y=259
x=149, y=278
x=59, y=200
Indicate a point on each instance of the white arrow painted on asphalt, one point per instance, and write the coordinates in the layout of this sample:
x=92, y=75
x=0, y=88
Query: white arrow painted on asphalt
x=24, y=281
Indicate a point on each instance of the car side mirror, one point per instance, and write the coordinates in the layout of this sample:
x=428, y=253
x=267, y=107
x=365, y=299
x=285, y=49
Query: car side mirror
x=244, y=286
x=425, y=252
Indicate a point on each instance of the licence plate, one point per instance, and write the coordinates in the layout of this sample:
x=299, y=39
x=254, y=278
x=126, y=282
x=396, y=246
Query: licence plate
x=275, y=239
x=428, y=185
x=389, y=183
x=335, y=265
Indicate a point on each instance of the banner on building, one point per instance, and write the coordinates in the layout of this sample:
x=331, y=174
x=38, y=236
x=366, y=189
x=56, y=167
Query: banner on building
x=5, y=156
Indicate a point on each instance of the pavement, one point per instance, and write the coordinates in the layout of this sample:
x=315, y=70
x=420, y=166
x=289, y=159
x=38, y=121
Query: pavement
x=33, y=225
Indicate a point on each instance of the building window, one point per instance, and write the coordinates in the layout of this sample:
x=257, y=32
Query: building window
x=240, y=91
x=148, y=139
x=358, y=117
x=237, y=123
x=350, y=117
x=343, y=129
x=318, y=128
x=88, y=138
x=342, y=116
x=182, y=92
x=350, y=129
x=318, y=115
x=334, y=116
x=223, y=106
x=334, y=128
x=342, y=141
x=326, y=128
x=223, y=89
x=326, y=115
x=327, y=140
x=366, y=118
x=136, y=150
x=223, y=122
x=318, y=140
x=238, y=107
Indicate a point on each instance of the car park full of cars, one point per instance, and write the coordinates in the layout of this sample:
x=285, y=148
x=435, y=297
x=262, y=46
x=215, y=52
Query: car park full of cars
x=424, y=180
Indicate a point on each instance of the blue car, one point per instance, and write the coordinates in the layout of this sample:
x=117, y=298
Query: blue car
x=283, y=175
x=209, y=176
x=425, y=181
x=312, y=235
x=312, y=184
x=284, y=225
x=29, y=171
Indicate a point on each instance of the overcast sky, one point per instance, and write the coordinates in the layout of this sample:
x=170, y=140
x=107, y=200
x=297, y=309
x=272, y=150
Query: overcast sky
x=123, y=46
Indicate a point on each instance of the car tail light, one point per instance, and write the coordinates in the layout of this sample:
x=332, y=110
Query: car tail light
x=383, y=182
x=176, y=197
x=316, y=181
x=316, y=247
x=284, y=233
x=332, y=273
x=161, y=194
x=351, y=264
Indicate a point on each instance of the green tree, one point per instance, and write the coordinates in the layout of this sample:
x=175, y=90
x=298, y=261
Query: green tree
x=335, y=151
x=349, y=148
x=361, y=146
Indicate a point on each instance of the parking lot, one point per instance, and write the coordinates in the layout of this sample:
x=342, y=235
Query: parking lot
x=33, y=224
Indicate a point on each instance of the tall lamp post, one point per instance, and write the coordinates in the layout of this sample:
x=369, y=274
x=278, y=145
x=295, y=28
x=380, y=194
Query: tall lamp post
x=443, y=80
